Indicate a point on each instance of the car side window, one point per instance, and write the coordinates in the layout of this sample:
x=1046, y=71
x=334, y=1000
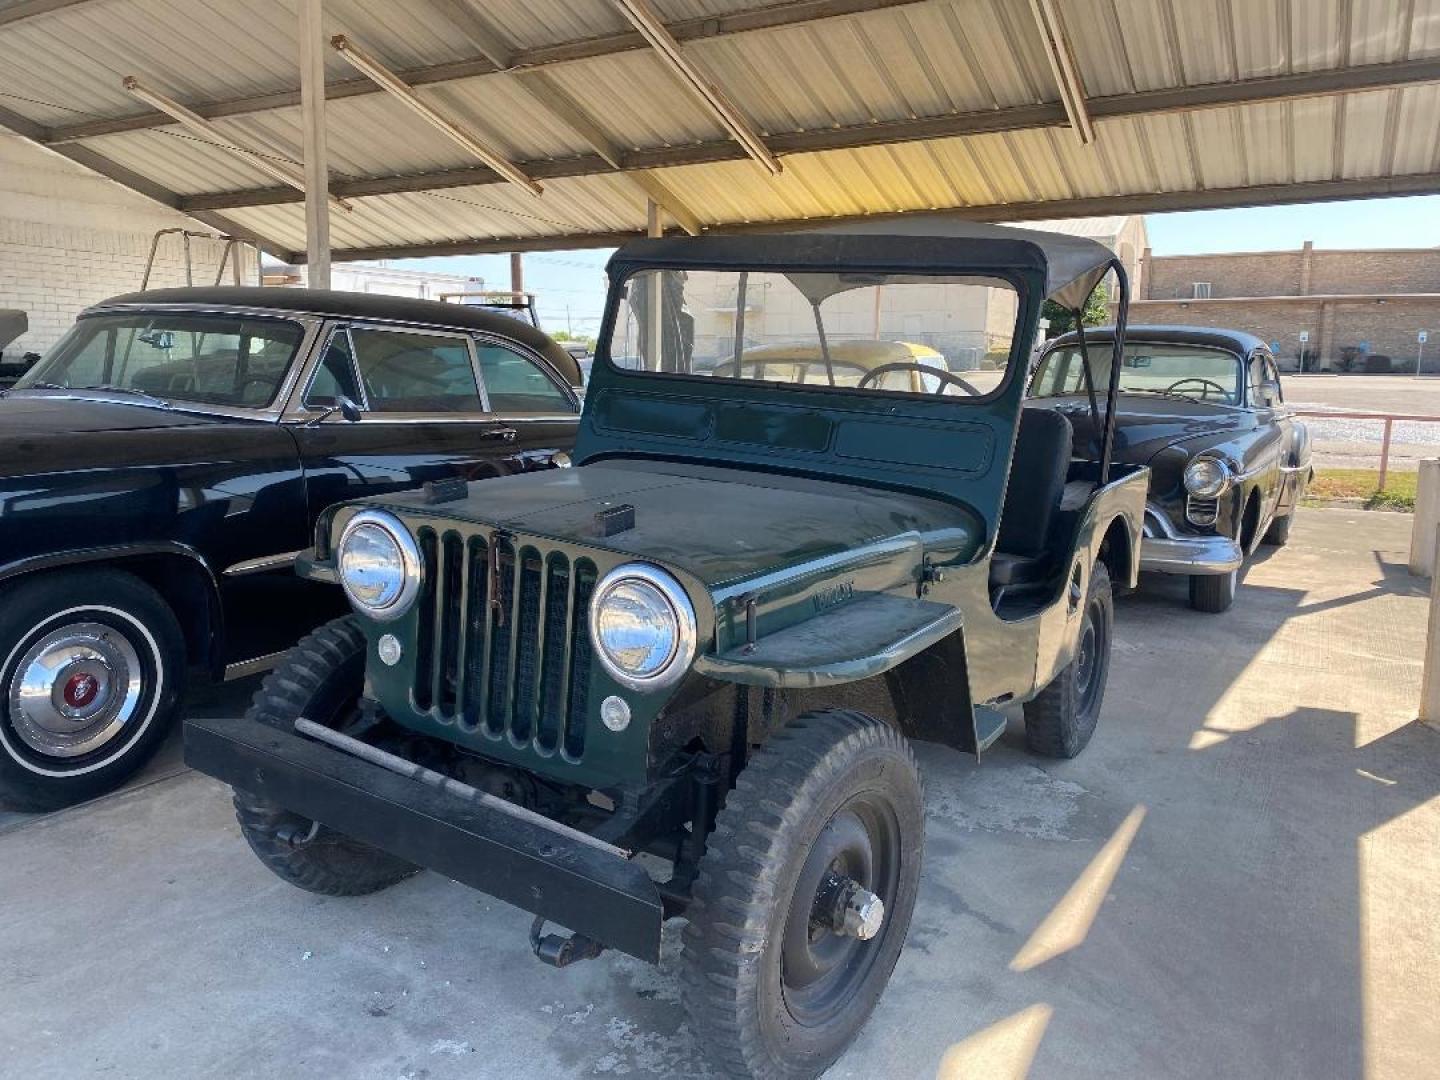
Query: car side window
x=409, y=372
x=514, y=383
x=335, y=376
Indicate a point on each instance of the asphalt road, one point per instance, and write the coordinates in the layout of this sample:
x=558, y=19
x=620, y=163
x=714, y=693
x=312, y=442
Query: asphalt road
x=1341, y=443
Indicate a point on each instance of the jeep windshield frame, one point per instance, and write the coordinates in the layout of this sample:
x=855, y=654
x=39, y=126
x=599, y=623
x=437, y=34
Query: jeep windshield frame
x=953, y=447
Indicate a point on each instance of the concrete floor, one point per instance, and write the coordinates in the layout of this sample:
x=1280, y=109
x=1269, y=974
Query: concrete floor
x=1240, y=877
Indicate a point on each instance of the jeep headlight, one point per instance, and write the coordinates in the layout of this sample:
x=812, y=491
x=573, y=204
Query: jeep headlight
x=1206, y=477
x=643, y=626
x=379, y=565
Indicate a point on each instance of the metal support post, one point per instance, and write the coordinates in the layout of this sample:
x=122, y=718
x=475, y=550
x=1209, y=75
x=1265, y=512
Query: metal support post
x=1430, y=677
x=1385, y=453
x=656, y=298
x=1427, y=518
x=317, y=168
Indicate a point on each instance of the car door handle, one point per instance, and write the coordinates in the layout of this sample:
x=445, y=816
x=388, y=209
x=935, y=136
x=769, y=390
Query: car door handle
x=504, y=434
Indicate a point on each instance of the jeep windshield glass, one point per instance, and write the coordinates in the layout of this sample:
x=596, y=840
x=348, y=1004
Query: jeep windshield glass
x=900, y=333
x=205, y=359
x=1188, y=371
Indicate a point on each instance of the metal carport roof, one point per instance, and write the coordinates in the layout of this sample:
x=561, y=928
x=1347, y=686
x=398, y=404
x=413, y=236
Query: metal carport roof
x=868, y=106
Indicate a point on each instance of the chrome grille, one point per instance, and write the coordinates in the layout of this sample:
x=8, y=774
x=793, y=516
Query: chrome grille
x=1202, y=512
x=503, y=642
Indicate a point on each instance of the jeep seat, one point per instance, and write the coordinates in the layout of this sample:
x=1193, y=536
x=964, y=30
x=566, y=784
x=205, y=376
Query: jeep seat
x=1037, y=482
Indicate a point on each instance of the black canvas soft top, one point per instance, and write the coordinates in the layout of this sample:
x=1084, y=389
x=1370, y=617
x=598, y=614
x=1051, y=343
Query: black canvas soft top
x=929, y=243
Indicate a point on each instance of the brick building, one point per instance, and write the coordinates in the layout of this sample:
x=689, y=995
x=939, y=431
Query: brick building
x=1366, y=304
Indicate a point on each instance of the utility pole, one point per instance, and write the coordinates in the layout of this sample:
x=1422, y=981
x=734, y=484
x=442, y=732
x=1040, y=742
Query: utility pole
x=517, y=274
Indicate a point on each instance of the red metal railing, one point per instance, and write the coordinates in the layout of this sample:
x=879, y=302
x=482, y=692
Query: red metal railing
x=1389, y=420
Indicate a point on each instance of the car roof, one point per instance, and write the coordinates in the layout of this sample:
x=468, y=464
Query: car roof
x=1219, y=337
x=865, y=354
x=931, y=244
x=335, y=303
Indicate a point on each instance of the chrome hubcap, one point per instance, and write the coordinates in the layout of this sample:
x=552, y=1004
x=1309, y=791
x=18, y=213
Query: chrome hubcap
x=75, y=689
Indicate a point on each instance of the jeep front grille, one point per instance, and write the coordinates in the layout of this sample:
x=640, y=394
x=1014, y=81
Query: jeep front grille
x=503, y=641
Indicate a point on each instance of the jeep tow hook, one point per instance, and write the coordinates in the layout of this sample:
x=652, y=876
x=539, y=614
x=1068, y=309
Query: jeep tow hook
x=558, y=951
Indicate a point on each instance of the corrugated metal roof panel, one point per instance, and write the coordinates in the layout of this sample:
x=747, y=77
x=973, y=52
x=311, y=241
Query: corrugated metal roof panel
x=933, y=58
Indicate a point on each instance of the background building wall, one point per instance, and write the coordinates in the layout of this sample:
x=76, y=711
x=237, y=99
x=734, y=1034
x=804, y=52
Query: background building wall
x=1277, y=295
x=70, y=238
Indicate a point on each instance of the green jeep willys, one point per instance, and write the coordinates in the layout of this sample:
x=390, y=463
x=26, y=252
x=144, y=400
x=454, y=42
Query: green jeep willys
x=680, y=677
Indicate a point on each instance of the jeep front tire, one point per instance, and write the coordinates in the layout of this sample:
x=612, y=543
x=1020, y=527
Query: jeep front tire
x=92, y=664
x=804, y=895
x=319, y=679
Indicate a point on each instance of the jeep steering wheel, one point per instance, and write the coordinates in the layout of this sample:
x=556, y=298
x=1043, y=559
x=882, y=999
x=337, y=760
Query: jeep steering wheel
x=1205, y=384
x=875, y=373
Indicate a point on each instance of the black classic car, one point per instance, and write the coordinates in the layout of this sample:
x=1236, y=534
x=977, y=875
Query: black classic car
x=1204, y=409
x=163, y=465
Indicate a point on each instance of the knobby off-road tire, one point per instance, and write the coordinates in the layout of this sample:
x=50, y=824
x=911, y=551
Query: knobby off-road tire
x=320, y=679
x=1213, y=593
x=92, y=667
x=1061, y=718
x=771, y=995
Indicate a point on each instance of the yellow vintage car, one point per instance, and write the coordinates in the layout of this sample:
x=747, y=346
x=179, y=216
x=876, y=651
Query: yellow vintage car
x=877, y=365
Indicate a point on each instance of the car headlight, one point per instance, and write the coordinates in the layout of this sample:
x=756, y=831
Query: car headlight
x=379, y=565
x=643, y=626
x=1206, y=477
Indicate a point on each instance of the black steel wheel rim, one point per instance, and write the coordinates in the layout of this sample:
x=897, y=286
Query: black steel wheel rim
x=821, y=970
x=1090, y=660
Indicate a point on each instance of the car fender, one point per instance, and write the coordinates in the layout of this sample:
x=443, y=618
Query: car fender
x=205, y=635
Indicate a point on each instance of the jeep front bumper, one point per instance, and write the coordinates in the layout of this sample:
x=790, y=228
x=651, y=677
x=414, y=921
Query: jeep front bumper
x=592, y=892
x=1190, y=555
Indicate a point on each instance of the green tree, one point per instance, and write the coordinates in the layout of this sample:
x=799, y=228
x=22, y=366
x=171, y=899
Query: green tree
x=1062, y=320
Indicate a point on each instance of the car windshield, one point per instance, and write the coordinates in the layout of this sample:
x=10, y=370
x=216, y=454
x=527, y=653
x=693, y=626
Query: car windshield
x=887, y=332
x=1190, y=371
x=206, y=359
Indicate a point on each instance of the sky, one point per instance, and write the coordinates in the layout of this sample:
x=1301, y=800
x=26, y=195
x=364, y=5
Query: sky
x=569, y=286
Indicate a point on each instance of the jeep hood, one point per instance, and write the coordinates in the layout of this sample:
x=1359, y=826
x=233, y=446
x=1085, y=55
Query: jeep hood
x=722, y=526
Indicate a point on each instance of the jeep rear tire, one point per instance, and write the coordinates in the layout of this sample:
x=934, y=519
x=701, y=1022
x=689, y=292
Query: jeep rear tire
x=319, y=679
x=92, y=664
x=1061, y=718
x=778, y=981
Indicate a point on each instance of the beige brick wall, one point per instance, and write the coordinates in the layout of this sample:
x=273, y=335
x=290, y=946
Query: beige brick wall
x=1281, y=273
x=1390, y=328
x=69, y=238
x=1172, y=277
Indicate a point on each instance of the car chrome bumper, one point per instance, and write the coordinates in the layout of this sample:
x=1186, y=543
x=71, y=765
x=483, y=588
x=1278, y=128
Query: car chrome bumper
x=1192, y=555
x=603, y=896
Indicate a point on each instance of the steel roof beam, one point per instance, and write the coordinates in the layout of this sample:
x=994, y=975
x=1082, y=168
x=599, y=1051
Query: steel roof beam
x=1062, y=65
x=555, y=100
x=989, y=121
x=644, y=19
x=16, y=10
x=1215, y=198
x=772, y=17
x=98, y=163
x=396, y=87
x=288, y=174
